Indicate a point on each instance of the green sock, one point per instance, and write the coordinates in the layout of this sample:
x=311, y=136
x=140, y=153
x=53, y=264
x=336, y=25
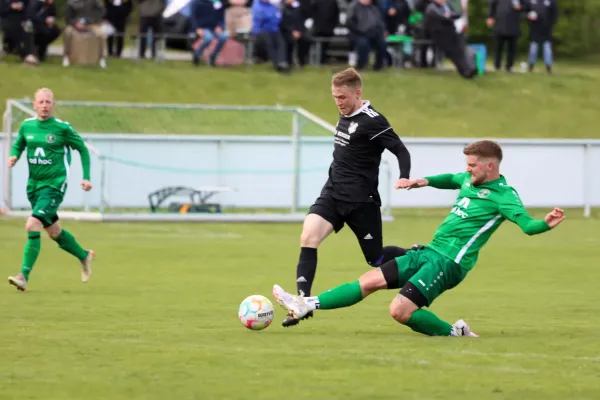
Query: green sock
x=428, y=323
x=30, y=255
x=344, y=295
x=67, y=242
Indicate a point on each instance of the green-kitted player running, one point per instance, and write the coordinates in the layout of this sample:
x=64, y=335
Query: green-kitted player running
x=48, y=141
x=485, y=201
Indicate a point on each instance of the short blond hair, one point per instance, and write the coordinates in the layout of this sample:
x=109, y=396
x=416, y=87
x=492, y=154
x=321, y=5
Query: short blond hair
x=484, y=149
x=348, y=77
x=43, y=90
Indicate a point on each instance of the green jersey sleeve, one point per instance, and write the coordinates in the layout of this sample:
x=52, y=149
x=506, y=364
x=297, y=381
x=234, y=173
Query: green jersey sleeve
x=511, y=207
x=75, y=141
x=19, y=145
x=447, y=181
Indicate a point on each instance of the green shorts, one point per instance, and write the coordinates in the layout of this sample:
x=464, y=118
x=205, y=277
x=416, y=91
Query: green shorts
x=44, y=204
x=430, y=272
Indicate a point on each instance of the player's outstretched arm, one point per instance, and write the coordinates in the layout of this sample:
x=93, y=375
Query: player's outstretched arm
x=76, y=142
x=383, y=134
x=511, y=208
x=443, y=181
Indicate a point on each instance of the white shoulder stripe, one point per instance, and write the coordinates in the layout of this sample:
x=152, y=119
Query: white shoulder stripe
x=385, y=130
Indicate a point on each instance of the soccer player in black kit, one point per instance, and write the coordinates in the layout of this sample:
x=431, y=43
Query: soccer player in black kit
x=350, y=195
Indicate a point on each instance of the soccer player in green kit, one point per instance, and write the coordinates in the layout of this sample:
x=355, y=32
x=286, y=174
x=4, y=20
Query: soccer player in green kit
x=47, y=141
x=485, y=201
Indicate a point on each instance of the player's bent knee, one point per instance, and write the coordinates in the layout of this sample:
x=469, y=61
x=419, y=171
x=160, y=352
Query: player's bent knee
x=314, y=231
x=310, y=239
x=401, y=309
x=374, y=260
x=33, y=225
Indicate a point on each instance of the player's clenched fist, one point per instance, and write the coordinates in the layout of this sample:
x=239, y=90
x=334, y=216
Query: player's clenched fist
x=86, y=185
x=12, y=161
x=554, y=217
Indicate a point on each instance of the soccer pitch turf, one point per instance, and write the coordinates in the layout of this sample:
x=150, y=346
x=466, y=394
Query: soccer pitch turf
x=158, y=318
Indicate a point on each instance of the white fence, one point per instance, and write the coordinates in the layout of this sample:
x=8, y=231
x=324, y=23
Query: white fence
x=564, y=173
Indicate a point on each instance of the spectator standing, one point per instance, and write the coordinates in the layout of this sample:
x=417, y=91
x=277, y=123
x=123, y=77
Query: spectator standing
x=150, y=21
x=117, y=13
x=504, y=17
x=542, y=16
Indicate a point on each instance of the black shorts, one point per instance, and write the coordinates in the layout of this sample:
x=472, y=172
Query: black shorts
x=363, y=218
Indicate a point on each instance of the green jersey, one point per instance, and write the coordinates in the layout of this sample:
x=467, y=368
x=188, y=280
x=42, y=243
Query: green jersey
x=478, y=212
x=49, y=145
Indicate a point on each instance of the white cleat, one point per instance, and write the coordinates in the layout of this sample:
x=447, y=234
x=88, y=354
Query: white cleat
x=296, y=305
x=461, y=328
x=18, y=281
x=86, y=266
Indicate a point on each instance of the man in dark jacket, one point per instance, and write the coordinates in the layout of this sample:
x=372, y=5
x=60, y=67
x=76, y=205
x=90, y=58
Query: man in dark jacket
x=395, y=13
x=439, y=22
x=325, y=15
x=117, y=13
x=542, y=15
x=208, y=22
x=294, y=32
x=504, y=17
x=42, y=14
x=14, y=14
x=150, y=12
x=366, y=24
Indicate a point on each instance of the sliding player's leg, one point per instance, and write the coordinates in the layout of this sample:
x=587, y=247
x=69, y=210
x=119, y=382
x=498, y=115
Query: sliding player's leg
x=388, y=276
x=345, y=295
x=435, y=275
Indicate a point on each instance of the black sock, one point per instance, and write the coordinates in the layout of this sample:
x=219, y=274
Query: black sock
x=305, y=272
x=391, y=252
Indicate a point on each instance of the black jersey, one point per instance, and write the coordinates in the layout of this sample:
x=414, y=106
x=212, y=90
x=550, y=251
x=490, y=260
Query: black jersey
x=360, y=139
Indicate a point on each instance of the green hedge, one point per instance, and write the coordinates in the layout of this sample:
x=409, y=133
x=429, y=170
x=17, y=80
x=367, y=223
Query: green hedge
x=577, y=32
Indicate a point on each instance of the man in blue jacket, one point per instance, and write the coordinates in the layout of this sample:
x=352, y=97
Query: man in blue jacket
x=266, y=18
x=207, y=19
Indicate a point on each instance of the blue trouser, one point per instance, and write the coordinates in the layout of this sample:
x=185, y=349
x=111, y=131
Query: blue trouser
x=533, y=52
x=363, y=47
x=207, y=37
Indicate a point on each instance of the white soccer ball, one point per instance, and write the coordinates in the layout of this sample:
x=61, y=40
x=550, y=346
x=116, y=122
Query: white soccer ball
x=256, y=312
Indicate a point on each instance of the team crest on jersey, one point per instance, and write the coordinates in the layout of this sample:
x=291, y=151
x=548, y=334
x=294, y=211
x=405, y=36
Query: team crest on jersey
x=352, y=127
x=51, y=138
x=483, y=193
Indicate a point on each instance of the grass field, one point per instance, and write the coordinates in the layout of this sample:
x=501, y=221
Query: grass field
x=158, y=319
x=417, y=103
